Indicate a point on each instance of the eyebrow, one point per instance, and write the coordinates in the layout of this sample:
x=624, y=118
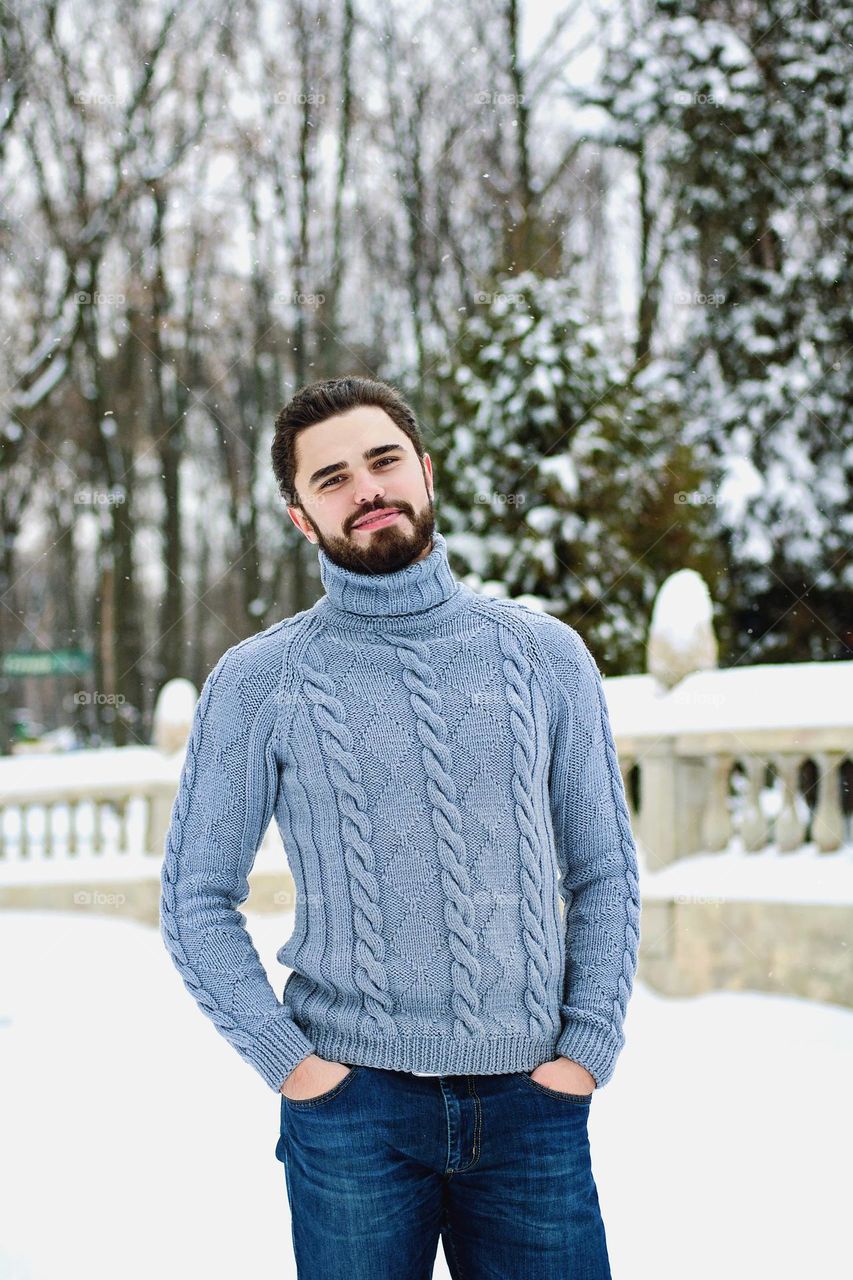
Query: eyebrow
x=334, y=467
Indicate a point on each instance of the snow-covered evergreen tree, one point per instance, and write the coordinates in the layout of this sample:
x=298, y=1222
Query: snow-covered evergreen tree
x=561, y=481
x=749, y=109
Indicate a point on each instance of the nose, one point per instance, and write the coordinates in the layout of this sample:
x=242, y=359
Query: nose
x=367, y=490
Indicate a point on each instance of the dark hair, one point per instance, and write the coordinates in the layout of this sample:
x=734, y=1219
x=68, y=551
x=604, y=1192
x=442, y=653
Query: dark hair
x=321, y=400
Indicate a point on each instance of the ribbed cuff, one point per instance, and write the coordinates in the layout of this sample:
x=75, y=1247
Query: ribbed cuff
x=278, y=1049
x=593, y=1046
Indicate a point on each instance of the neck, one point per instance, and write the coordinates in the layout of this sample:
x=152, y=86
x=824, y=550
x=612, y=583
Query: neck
x=373, y=598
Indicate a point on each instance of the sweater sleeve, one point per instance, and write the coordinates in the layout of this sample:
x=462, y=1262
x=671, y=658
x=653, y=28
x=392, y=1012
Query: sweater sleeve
x=599, y=880
x=226, y=797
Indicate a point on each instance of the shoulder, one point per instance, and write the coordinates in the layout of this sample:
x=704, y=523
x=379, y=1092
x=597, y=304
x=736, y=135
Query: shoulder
x=258, y=658
x=555, y=643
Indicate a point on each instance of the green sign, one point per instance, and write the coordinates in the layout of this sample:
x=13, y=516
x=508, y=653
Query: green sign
x=55, y=662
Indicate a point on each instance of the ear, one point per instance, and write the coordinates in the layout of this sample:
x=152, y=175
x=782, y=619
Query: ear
x=427, y=466
x=298, y=517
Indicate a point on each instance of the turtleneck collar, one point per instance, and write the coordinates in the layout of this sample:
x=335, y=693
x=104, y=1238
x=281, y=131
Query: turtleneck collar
x=377, y=598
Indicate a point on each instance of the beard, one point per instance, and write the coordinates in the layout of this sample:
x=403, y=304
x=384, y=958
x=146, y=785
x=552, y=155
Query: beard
x=381, y=550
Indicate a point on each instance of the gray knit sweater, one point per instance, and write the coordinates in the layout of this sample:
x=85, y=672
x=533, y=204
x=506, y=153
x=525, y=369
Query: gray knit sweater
x=441, y=768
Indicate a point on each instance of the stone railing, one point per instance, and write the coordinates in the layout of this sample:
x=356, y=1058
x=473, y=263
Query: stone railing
x=715, y=762
x=86, y=832
x=87, y=812
x=94, y=814
x=736, y=783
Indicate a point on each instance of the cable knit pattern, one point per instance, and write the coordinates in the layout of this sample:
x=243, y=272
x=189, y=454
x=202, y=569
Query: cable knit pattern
x=336, y=743
x=518, y=673
x=572, y=1041
x=419, y=680
x=442, y=773
x=598, y=866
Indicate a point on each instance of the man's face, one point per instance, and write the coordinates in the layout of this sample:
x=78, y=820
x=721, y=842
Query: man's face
x=354, y=464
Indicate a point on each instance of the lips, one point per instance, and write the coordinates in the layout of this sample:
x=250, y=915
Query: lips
x=376, y=518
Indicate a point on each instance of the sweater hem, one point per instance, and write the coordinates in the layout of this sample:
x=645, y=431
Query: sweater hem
x=490, y=1055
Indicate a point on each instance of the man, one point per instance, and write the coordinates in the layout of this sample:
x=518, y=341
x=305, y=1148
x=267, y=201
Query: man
x=441, y=768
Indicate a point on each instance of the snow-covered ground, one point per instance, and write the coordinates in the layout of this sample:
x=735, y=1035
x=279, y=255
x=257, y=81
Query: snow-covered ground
x=136, y=1143
x=804, y=876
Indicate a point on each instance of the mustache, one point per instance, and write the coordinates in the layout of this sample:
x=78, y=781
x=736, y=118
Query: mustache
x=390, y=506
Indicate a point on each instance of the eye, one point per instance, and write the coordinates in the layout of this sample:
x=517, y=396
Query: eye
x=385, y=458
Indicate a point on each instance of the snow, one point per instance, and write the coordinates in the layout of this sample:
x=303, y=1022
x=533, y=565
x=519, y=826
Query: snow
x=138, y=1143
x=541, y=519
x=562, y=466
x=176, y=703
x=122, y=770
x=740, y=485
x=43, y=385
x=793, y=696
x=802, y=876
x=682, y=610
x=58, y=331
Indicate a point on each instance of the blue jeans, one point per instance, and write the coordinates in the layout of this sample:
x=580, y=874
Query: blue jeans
x=384, y=1163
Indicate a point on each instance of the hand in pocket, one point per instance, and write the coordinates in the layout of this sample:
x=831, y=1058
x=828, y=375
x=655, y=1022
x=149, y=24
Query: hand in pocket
x=312, y=1077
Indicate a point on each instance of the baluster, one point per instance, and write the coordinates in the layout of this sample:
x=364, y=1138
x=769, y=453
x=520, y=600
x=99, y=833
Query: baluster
x=147, y=824
x=828, y=822
x=753, y=827
x=790, y=828
x=73, y=832
x=26, y=836
x=717, y=820
x=123, y=825
x=625, y=767
x=49, y=848
x=157, y=818
x=98, y=828
x=4, y=839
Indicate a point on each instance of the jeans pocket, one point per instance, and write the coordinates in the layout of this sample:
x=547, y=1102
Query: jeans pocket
x=301, y=1104
x=580, y=1099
